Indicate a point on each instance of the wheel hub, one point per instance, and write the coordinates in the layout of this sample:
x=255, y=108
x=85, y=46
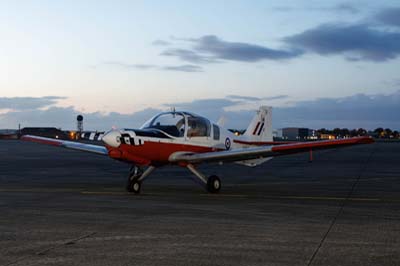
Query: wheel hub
x=216, y=184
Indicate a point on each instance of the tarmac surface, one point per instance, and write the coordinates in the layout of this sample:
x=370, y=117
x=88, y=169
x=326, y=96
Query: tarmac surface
x=62, y=207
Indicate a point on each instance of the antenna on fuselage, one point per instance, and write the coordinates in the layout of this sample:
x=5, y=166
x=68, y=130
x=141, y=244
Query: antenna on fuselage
x=173, y=111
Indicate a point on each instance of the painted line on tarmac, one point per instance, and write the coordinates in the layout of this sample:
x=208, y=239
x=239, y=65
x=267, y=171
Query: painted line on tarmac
x=61, y=190
x=122, y=193
x=104, y=193
x=40, y=190
x=301, y=197
x=332, y=198
x=247, y=196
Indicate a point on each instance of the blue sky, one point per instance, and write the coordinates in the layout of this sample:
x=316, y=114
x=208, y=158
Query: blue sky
x=120, y=61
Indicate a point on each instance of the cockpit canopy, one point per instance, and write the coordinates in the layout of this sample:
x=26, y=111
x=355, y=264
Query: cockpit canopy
x=180, y=124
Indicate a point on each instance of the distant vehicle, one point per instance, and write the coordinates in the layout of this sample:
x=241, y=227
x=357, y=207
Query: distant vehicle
x=187, y=139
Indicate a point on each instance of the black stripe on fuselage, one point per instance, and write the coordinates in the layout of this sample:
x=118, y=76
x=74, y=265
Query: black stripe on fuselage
x=149, y=133
x=127, y=139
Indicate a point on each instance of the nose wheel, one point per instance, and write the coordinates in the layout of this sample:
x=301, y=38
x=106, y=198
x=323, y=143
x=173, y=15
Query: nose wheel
x=134, y=186
x=136, y=177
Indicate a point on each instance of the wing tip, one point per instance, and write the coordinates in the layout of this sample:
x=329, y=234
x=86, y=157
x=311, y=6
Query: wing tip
x=365, y=140
x=41, y=140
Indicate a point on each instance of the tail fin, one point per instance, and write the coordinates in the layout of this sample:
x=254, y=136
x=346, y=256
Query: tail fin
x=260, y=128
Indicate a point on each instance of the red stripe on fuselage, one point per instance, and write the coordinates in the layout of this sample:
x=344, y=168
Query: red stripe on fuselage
x=154, y=153
x=260, y=143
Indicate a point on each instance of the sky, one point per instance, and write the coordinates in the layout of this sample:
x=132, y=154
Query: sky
x=318, y=63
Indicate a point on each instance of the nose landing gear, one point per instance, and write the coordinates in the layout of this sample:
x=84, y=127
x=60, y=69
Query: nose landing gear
x=136, y=177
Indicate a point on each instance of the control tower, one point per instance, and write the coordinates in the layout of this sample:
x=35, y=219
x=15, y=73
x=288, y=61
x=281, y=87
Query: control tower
x=79, y=125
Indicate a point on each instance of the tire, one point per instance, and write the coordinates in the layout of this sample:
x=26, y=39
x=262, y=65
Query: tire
x=134, y=186
x=213, y=184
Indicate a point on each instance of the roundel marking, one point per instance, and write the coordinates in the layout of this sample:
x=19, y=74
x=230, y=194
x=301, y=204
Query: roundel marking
x=227, y=143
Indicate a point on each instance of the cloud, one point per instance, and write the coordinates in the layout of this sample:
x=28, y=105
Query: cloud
x=245, y=98
x=396, y=82
x=52, y=117
x=212, y=49
x=341, y=7
x=284, y=8
x=356, y=42
x=204, y=104
x=28, y=103
x=160, y=43
x=239, y=51
x=360, y=110
x=189, y=56
x=65, y=118
x=346, y=7
x=130, y=66
x=252, y=98
x=389, y=16
x=181, y=68
x=216, y=108
x=277, y=97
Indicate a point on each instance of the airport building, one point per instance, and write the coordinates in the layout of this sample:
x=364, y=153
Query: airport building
x=296, y=133
x=8, y=134
x=49, y=132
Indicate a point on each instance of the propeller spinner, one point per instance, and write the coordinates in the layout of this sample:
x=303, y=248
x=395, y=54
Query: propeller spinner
x=112, y=138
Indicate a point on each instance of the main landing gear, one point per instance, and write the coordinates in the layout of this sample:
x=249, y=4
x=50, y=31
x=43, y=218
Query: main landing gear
x=137, y=175
x=212, y=184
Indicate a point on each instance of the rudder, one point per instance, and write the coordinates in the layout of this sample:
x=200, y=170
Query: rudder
x=260, y=128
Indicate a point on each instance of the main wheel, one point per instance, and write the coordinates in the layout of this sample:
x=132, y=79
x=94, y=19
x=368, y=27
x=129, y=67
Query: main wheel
x=213, y=184
x=134, y=186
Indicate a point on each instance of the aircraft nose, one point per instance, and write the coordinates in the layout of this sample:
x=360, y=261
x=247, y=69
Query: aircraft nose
x=112, y=138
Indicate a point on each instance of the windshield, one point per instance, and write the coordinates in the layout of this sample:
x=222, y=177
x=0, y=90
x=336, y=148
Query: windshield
x=171, y=123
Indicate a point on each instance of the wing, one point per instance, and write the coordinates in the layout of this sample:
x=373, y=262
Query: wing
x=67, y=144
x=266, y=151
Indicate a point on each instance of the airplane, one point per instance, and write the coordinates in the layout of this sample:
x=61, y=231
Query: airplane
x=186, y=139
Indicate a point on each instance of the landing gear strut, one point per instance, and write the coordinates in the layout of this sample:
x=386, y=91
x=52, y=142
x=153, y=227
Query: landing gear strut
x=212, y=183
x=136, y=176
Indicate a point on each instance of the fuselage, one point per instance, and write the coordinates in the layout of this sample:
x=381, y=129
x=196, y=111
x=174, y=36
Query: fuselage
x=167, y=134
